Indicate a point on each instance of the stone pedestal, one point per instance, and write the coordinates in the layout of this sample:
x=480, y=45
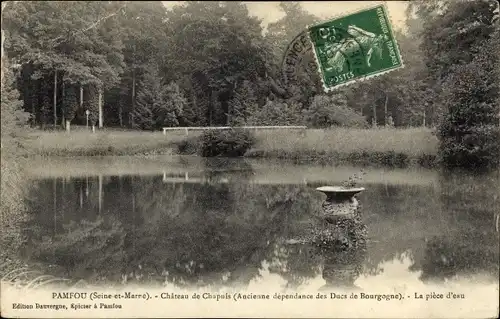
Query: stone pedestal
x=341, y=215
x=342, y=240
x=334, y=237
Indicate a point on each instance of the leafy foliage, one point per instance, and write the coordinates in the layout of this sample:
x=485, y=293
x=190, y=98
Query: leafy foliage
x=13, y=123
x=13, y=118
x=219, y=45
x=157, y=105
x=174, y=105
x=102, y=235
x=277, y=113
x=149, y=98
x=70, y=103
x=222, y=69
x=465, y=64
x=326, y=111
x=230, y=143
x=279, y=36
x=243, y=103
x=62, y=36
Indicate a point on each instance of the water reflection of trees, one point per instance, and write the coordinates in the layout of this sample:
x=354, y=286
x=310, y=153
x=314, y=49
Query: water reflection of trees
x=400, y=217
x=469, y=244
x=447, y=227
x=221, y=230
x=223, y=233
x=337, y=250
x=461, y=254
x=188, y=233
x=84, y=247
x=295, y=263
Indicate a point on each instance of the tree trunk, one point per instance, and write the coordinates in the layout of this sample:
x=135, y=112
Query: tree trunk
x=210, y=108
x=120, y=115
x=100, y=193
x=86, y=187
x=32, y=94
x=227, y=107
x=55, y=99
x=423, y=122
x=133, y=99
x=81, y=196
x=63, y=110
x=100, y=109
x=131, y=115
x=374, y=121
x=385, y=108
x=276, y=89
x=81, y=95
x=68, y=124
x=1, y=57
x=54, y=183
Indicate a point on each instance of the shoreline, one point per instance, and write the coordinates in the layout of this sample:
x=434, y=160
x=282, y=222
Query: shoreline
x=363, y=158
x=387, y=147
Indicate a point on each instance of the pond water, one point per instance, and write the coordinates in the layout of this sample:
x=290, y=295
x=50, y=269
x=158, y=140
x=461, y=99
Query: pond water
x=187, y=221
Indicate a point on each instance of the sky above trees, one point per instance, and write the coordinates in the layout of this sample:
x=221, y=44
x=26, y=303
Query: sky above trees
x=270, y=11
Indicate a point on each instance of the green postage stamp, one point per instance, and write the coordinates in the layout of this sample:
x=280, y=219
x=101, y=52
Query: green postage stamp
x=354, y=47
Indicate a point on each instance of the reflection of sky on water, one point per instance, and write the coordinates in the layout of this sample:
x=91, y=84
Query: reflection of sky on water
x=394, y=273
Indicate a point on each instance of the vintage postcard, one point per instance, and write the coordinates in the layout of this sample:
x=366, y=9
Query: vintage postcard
x=315, y=159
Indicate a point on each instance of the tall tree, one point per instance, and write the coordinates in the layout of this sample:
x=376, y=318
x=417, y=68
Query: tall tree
x=243, y=103
x=13, y=121
x=171, y=111
x=281, y=33
x=74, y=40
x=144, y=37
x=218, y=45
x=453, y=34
x=279, y=36
x=459, y=43
x=158, y=105
x=401, y=95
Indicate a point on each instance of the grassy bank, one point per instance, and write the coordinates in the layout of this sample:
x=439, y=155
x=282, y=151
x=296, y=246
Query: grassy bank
x=102, y=143
x=384, y=146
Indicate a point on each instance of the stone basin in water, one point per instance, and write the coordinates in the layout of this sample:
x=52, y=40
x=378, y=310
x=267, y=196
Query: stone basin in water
x=337, y=221
x=339, y=193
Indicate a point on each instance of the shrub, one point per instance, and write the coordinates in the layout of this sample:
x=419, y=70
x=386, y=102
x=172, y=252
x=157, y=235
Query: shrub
x=231, y=143
x=189, y=146
x=327, y=111
x=13, y=179
x=476, y=148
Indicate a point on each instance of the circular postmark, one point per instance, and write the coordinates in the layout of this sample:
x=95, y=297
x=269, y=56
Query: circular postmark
x=298, y=57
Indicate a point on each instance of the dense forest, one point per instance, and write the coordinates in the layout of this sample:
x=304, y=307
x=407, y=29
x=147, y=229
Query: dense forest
x=138, y=65
x=210, y=63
